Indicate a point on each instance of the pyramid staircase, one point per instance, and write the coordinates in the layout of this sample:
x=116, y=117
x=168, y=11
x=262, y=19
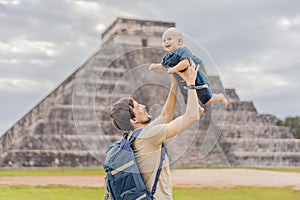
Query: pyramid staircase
x=252, y=139
x=71, y=126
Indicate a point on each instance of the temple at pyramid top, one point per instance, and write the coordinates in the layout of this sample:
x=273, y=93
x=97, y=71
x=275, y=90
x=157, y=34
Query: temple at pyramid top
x=150, y=31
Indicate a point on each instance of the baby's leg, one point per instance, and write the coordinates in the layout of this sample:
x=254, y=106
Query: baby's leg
x=218, y=98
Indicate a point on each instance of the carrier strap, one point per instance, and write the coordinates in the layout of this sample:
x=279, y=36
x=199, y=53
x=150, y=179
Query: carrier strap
x=162, y=157
x=134, y=135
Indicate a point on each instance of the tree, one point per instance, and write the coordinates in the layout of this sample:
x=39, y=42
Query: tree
x=293, y=123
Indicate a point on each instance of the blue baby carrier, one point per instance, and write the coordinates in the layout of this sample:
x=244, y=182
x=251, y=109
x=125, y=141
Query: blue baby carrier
x=123, y=179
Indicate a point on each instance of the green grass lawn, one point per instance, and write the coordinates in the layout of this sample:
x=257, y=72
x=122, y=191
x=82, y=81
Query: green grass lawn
x=99, y=171
x=50, y=193
x=237, y=193
x=51, y=171
x=71, y=193
x=55, y=192
x=276, y=169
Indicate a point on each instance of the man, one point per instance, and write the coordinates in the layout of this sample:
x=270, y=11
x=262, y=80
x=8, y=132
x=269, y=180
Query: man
x=128, y=114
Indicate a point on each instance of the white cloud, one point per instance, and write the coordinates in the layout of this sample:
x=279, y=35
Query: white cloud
x=38, y=62
x=24, y=46
x=99, y=27
x=87, y=5
x=286, y=23
x=23, y=85
x=5, y=46
x=9, y=2
x=252, y=81
x=9, y=61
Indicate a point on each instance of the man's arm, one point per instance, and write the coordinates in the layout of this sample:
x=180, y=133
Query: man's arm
x=191, y=114
x=169, y=108
x=167, y=112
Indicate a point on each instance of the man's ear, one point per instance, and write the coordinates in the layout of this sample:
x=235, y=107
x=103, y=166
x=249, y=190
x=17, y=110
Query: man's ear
x=133, y=121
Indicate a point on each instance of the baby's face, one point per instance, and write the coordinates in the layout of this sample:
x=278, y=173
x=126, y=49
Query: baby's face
x=171, y=41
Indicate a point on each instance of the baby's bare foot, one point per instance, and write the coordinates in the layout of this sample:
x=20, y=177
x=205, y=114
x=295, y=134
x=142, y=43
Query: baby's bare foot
x=224, y=102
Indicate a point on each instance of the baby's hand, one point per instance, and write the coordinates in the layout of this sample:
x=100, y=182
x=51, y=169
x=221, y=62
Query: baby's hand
x=170, y=70
x=157, y=67
x=153, y=67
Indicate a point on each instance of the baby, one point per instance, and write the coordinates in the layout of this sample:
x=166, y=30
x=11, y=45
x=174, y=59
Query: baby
x=178, y=59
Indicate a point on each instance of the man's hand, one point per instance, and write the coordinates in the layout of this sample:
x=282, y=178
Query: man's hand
x=174, y=81
x=189, y=75
x=192, y=63
x=170, y=70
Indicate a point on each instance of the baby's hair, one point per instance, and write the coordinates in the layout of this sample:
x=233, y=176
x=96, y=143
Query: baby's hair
x=175, y=30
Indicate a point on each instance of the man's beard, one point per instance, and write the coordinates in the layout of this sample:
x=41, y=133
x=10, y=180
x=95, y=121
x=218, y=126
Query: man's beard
x=147, y=121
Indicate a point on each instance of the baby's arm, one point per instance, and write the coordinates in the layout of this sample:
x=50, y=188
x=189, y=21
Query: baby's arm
x=183, y=64
x=157, y=67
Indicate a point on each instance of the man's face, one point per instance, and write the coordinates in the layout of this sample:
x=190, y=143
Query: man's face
x=170, y=41
x=140, y=112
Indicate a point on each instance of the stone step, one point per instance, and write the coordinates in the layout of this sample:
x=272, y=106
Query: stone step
x=67, y=112
x=102, y=86
x=244, y=117
x=48, y=158
x=241, y=106
x=68, y=127
x=109, y=72
x=102, y=99
x=100, y=60
x=63, y=142
x=192, y=151
x=233, y=106
x=210, y=160
x=231, y=95
x=258, y=131
x=192, y=158
x=99, y=72
x=260, y=145
x=216, y=84
x=104, y=54
x=286, y=159
x=187, y=150
x=82, y=113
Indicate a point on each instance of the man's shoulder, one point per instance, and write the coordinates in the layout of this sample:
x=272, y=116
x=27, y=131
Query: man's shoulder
x=152, y=130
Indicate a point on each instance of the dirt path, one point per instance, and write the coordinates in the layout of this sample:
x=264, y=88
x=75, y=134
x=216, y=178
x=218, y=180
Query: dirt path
x=219, y=178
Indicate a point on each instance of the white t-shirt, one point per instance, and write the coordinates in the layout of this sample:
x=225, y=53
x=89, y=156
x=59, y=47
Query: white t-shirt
x=147, y=149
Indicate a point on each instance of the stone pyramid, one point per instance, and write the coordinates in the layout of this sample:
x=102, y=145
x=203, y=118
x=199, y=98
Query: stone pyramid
x=71, y=126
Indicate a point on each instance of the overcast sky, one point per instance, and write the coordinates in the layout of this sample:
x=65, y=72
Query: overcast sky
x=254, y=43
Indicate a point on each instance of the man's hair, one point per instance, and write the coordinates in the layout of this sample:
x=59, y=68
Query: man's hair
x=121, y=113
